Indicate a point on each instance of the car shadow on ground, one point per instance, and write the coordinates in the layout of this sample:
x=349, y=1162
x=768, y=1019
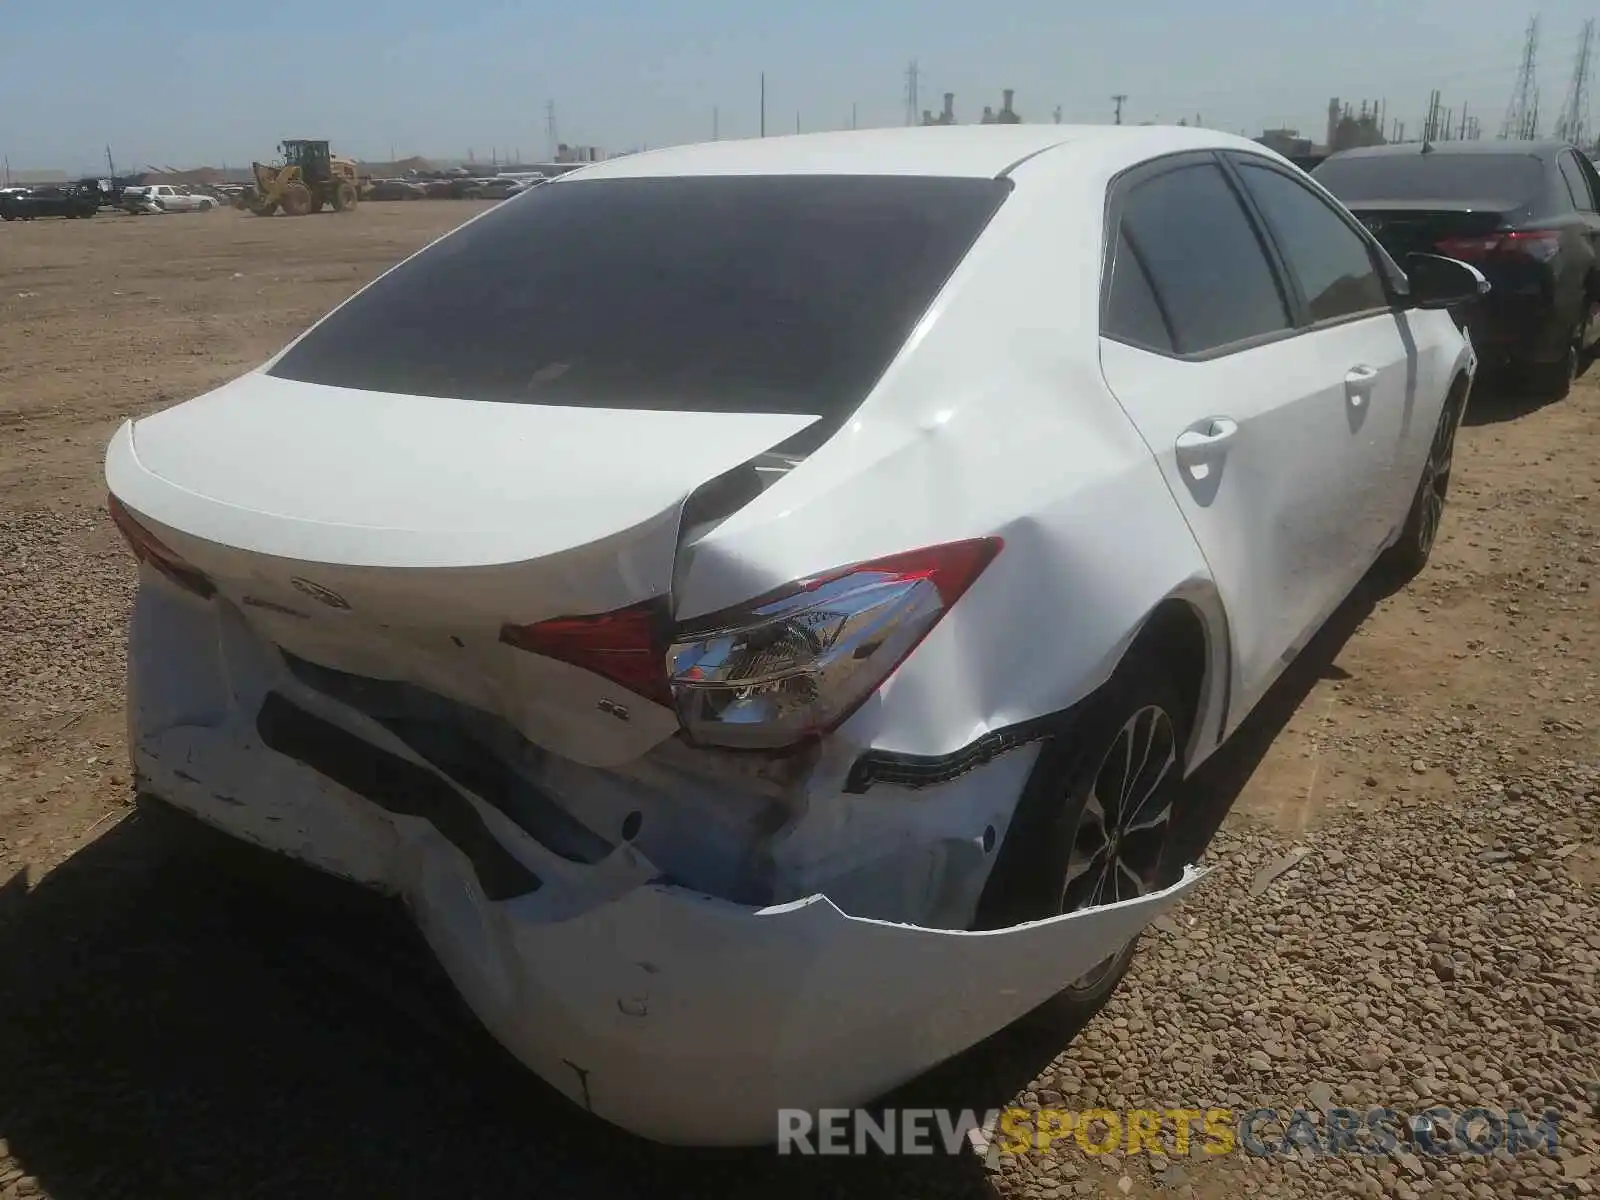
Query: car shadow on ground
x=1498, y=397
x=177, y=1031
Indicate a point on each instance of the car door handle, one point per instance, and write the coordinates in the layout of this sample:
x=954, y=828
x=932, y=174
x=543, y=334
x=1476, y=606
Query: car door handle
x=1204, y=439
x=1358, y=383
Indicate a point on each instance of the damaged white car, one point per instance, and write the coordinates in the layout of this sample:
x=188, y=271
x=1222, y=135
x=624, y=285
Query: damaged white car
x=756, y=602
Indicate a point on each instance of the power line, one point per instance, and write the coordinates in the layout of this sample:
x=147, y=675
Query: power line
x=1522, y=113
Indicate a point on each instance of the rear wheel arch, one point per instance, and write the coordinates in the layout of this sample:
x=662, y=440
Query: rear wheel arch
x=1174, y=637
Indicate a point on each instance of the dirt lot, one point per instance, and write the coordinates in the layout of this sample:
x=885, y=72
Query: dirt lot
x=1405, y=907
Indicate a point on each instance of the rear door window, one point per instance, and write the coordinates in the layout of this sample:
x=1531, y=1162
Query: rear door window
x=1577, y=184
x=1330, y=260
x=771, y=294
x=1204, y=258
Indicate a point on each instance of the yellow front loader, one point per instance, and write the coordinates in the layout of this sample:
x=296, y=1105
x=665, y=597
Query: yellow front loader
x=308, y=180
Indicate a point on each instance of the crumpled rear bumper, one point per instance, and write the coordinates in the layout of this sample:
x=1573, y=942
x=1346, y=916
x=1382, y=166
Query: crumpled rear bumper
x=678, y=1016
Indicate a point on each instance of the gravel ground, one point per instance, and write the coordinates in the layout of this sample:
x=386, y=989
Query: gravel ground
x=1404, y=907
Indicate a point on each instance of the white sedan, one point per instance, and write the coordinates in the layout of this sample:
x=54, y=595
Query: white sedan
x=756, y=602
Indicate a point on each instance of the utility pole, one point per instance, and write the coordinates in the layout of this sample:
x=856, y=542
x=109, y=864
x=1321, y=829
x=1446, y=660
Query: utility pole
x=1522, y=112
x=763, y=104
x=550, y=127
x=1118, y=101
x=913, y=100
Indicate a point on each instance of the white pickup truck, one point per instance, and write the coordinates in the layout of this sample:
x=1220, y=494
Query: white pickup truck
x=166, y=198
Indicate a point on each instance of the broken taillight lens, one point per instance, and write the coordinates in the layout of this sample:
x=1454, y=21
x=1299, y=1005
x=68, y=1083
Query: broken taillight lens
x=779, y=669
x=798, y=662
x=625, y=646
x=148, y=548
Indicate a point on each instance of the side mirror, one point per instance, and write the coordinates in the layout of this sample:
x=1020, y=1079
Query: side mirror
x=1439, y=282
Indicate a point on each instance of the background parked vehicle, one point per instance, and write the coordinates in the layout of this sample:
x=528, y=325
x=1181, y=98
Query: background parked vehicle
x=499, y=188
x=166, y=198
x=396, y=189
x=70, y=202
x=1527, y=214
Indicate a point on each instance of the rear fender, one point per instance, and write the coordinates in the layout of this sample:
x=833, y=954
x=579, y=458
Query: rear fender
x=1093, y=543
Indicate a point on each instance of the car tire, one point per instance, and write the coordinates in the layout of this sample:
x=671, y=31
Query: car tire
x=1065, y=814
x=1404, y=560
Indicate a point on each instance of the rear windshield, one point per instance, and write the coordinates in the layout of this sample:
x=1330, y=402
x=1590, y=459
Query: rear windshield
x=1514, y=178
x=771, y=294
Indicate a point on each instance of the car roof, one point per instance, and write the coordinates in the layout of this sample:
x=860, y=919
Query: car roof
x=1540, y=148
x=971, y=151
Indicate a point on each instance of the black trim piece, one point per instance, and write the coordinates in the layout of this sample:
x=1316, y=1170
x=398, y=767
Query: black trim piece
x=928, y=770
x=465, y=744
x=395, y=785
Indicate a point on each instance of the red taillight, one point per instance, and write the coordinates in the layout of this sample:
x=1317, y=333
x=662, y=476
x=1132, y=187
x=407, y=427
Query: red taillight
x=798, y=662
x=781, y=668
x=627, y=646
x=1540, y=244
x=148, y=548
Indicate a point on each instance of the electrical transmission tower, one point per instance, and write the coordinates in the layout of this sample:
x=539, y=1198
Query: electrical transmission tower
x=1573, y=123
x=1522, y=114
x=1118, y=100
x=550, y=127
x=913, y=100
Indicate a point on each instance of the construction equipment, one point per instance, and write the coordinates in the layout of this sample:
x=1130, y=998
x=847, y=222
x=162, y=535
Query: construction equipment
x=309, y=179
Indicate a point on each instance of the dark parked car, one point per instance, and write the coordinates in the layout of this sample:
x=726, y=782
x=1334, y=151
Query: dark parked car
x=70, y=202
x=395, y=189
x=1526, y=214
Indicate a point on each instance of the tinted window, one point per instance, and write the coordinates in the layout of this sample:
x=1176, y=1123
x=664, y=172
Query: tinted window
x=1328, y=258
x=1576, y=183
x=778, y=294
x=1132, y=313
x=1203, y=257
x=1515, y=179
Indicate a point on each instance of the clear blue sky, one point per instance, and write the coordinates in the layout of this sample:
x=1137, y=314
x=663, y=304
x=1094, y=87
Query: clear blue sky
x=185, y=82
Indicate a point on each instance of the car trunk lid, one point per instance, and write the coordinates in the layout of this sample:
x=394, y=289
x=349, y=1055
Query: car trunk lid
x=396, y=537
